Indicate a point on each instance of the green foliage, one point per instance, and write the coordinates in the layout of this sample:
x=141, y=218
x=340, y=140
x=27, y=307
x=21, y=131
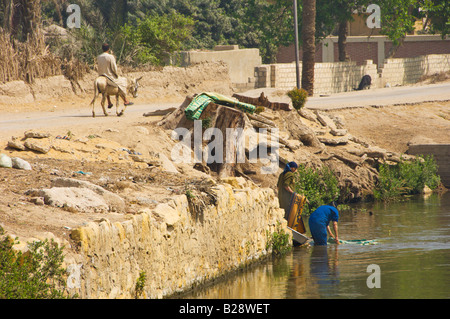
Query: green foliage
x=397, y=19
x=279, y=241
x=140, y=284
x=249, y=24
x=406, y=178
x=437, y=15
x=36, y=274
x=154, y=38
x=298, y=97
x=320, y=186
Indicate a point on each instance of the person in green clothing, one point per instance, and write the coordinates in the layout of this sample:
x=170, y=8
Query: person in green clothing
x=286, y=186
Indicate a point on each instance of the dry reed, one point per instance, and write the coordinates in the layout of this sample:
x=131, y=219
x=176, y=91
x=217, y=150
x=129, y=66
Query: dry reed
x=32, y=59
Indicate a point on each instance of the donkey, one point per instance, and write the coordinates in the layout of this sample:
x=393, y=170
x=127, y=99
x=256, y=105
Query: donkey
x=101, y=87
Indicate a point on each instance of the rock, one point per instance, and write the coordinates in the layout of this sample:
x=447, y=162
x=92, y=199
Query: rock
x=168, y=214
x=338, y=132
x=235, y=182
x=300, y=131
x=333, y=141
x=15, y=144
x=160, y=112
x=376, y=152
x=35, y=134
x=338, y=120
x=115, y=202
x=80, y=199
x=5, y=161
x=325, y=120
x=38, y=145
x=295, y=144
x=20, y=164
x=307, y=114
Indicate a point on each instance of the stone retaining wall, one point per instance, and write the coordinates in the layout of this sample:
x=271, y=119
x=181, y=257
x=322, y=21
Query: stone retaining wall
x=174, y=246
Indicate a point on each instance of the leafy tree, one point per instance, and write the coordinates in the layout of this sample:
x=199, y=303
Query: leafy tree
x=437, y=15
x=397, y=20
x=154, y=38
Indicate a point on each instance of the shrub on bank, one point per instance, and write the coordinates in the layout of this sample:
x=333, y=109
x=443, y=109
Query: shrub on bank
x=298, y=97
x=35, y=274
x=320, y=186
x=406, y=178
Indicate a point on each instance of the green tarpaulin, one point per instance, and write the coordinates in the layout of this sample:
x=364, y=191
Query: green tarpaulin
x=201, y=101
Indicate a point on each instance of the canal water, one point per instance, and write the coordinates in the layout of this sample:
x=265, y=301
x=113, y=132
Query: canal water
x=411, y=259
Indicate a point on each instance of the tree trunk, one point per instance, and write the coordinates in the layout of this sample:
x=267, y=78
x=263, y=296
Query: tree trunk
x=342, y=41
x=309, y=46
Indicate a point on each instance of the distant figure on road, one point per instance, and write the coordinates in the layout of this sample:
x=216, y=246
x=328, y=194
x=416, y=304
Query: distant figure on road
x=365, y=83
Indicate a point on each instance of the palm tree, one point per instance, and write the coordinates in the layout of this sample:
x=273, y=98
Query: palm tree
x=309, y=46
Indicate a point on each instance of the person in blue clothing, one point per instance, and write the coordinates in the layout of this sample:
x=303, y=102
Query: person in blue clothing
x=319, y=222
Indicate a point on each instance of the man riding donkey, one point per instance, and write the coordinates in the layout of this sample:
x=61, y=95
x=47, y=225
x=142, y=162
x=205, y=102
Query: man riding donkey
x=107, y=67
x=110, y=83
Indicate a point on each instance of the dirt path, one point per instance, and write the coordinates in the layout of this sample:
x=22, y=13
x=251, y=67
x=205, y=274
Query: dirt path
x=390, y=127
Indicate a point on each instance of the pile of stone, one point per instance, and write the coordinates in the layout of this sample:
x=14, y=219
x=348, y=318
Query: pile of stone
x=14, y=162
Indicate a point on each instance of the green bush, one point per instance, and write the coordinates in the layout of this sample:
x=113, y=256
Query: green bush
x=298, y=97
x=320, y=186
x=279, y=241
x=35, y=274
x=406, y=178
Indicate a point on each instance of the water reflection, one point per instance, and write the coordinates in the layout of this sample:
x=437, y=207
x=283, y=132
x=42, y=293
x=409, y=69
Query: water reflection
x=413, y=254
x=325, y=269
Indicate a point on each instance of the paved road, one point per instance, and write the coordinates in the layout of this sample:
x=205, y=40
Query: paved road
x=382, y=97
x=17, y=123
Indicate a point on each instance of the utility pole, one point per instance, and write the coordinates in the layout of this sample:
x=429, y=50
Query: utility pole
x=297, y=63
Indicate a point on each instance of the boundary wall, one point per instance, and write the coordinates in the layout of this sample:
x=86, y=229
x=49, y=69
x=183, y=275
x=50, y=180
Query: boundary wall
x=375, y=48
x=345, y=76
x=175, y=246
x=247, y=72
